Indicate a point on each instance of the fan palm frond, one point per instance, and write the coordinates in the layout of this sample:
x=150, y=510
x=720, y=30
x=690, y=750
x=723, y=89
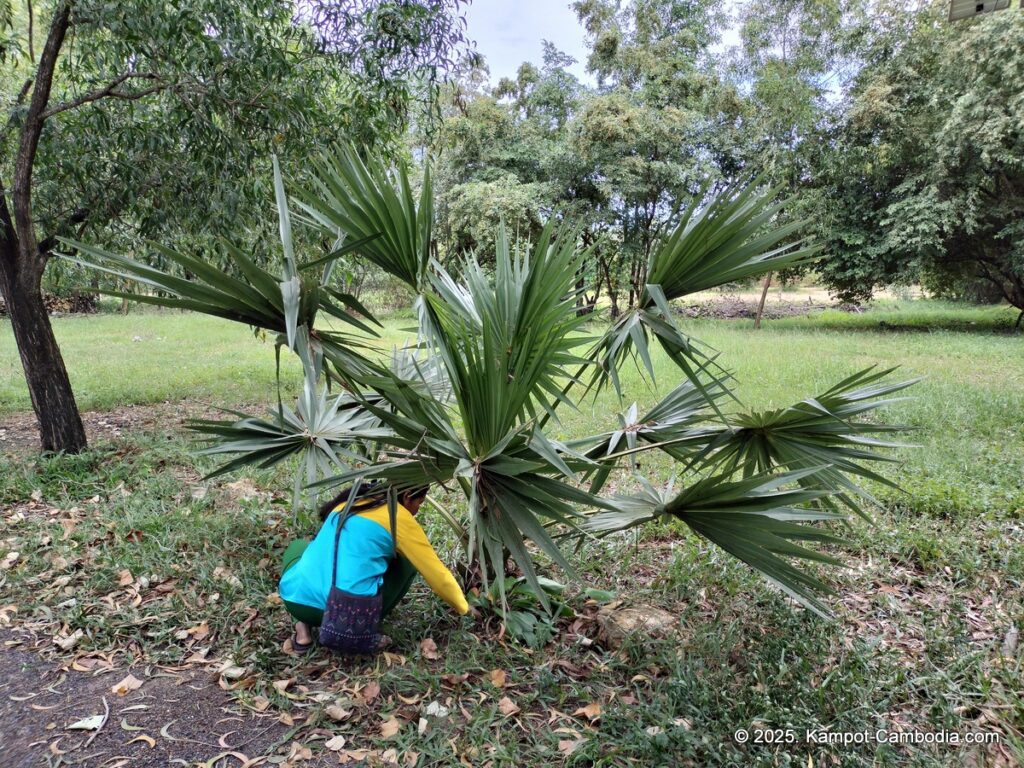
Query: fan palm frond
x=827, y=432
x=726, y=238
x=375, y=206
x=756, y=519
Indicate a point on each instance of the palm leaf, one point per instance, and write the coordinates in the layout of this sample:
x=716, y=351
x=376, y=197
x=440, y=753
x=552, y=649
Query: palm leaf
x=755, y=519
x=728, y=237
x=374, y=206
x=827, y=431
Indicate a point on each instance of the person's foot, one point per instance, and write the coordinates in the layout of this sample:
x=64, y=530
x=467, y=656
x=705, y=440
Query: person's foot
x=302, y=639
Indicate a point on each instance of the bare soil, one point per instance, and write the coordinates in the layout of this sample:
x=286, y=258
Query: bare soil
x=19, y=433
x=176, y=717
x=733, y=307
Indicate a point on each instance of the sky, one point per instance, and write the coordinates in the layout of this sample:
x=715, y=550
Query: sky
x=509, y=32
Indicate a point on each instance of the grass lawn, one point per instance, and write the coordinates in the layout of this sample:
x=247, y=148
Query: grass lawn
x=921, y=642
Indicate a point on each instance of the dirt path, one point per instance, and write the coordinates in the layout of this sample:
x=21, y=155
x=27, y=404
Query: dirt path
x=20, y=434
x=175, y=717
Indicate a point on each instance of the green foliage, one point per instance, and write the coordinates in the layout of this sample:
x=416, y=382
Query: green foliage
x=161, y=114
x=507, y=345
x=820, y=434
x=927, y=183
x=522, y=614
x=726, y=238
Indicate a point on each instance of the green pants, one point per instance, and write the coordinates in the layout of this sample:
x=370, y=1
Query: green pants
x=397, y=580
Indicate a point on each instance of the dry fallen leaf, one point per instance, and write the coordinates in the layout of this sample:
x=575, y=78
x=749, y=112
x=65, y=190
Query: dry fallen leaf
x=654, y=730
x=359, y=756
x=233, y=673
x=498, y=677
x=282, y=685
x=370, y=691
x=69, y=642
x=299, y=752
x=568, y=746
x=411, y=758
x=429, y=649
x=507, y=707
x=87, y=724
x=126, y=726
x=338, y=713
x=130, y=683
x=683, y=723
x=436, y=709
x=9, y=560
x=390, y=727
x=422, y=727
x=261, y=703
x=591, y=711
x=336, y=744
x=124, y=578
x=143, y=737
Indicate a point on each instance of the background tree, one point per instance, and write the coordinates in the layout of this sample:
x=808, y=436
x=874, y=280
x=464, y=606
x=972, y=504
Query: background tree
x=793, y=60
x=146, y=119
x=658, y=129
x=927, y=180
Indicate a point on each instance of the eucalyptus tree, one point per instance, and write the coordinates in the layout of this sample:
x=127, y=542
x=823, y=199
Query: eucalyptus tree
x=144, y=119
x=504, y=350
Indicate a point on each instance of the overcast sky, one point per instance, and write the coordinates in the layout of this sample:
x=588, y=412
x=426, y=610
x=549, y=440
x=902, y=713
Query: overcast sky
x=509, y=32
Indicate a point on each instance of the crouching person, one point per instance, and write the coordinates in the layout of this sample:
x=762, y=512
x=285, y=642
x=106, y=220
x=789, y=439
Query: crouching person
x=370, y=566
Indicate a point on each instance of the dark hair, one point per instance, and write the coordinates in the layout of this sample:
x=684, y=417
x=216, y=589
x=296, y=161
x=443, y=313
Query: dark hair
x=368, y=496
x=373, y=494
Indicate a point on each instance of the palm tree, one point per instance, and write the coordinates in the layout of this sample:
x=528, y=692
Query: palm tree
x=500, y=354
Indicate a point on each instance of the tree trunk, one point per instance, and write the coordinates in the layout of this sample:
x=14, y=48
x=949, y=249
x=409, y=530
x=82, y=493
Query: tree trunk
x=60, y=426
x=22, y=262
x=764, y=295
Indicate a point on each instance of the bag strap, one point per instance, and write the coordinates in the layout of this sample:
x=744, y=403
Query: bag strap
x=392, y=519
x=343, y=516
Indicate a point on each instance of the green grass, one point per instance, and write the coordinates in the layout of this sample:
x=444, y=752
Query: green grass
x=150, y=357
x=894, y=315
x=922, y=612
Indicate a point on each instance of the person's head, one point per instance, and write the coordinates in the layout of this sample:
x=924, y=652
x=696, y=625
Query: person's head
x=373, y=495
x=367, y=495
x=412, y=498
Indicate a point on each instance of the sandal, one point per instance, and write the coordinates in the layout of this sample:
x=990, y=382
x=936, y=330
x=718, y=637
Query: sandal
x=300, y=648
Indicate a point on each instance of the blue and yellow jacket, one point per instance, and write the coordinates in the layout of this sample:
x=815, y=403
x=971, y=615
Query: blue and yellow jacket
x=364, y=551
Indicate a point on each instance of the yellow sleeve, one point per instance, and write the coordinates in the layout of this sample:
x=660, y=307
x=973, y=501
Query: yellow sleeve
x=412, y=543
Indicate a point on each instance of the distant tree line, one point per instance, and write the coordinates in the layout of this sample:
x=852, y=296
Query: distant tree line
x=900, y=134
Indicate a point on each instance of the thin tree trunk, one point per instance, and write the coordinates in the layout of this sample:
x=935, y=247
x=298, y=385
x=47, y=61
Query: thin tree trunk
x=760, y=304
x=22, y=262
x=60, y=426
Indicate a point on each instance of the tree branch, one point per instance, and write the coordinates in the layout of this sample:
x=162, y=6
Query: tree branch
x=110, y=90
x=79, y=216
